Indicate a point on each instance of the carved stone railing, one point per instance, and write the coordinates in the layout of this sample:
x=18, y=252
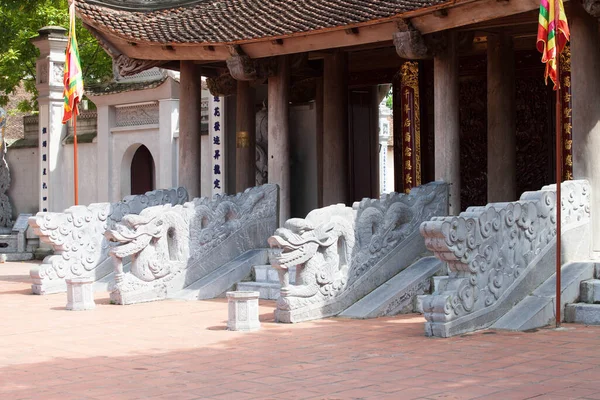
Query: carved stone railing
x=76, y=235
x=344, y=253
x=173, y=247
x=497, y=254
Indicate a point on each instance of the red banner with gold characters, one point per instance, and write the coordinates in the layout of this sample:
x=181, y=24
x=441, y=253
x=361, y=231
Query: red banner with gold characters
x=567, y=125
x=411, y=125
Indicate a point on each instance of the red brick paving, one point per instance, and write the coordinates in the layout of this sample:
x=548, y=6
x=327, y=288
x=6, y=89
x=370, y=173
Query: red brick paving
x=181, y=350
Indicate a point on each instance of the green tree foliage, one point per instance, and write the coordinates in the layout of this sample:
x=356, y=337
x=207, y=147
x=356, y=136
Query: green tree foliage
x=19, y=23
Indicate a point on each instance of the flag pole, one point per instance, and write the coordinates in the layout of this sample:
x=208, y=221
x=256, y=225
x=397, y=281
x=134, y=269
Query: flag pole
x=75, y=161
x=558, y=167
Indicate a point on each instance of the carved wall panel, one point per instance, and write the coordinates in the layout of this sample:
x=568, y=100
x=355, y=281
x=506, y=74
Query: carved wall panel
x=146, y=114
x=473, y=141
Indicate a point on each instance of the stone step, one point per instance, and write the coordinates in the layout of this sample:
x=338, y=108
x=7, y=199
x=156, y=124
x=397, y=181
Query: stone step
x=583, y=313
x=267, y=290
x=223, y=278
x=590, y=291
x=538, y=309
x=397, y=295
x=268, y=274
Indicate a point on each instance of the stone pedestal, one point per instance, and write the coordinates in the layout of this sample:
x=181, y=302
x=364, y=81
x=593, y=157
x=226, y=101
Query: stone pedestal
x=80, y=294
x=243, y=311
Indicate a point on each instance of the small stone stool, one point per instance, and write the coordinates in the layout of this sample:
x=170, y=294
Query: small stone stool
x=243, y=311
x=80, y=294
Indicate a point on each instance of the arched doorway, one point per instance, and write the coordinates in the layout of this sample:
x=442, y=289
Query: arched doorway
x=142, y=171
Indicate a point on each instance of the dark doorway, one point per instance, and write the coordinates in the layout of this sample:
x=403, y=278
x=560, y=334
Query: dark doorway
x=142, y=171
x=364, y=121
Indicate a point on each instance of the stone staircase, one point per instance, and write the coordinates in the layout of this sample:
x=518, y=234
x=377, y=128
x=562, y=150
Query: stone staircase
x=400, y=294
x=539, y=308
x=266, y=282
x=587, y=310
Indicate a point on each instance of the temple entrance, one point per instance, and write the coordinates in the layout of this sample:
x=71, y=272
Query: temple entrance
x=142, y=171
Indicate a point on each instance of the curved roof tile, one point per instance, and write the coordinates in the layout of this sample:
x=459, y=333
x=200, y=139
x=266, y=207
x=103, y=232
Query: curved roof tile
x=226, y=21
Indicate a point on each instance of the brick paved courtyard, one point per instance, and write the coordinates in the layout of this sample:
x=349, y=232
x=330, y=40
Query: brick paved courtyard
x=181, y=350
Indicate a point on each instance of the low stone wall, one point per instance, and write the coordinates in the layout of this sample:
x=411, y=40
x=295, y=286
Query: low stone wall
x=76, y=235
x=344, y=253
x=174, y=246
x=498, y=254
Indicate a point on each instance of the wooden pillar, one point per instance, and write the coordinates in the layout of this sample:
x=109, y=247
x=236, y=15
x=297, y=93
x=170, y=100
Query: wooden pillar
x=189, y=127
x=279, y=148
x=501, y=139
x=585, y=64
x=319, y=134
x=335, y=129
x=447, y=129
x=245, y=164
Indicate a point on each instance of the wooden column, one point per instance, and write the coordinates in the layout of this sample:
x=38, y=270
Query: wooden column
x=245, y=164
x=189, y=127
x=335, y=129
x=501, y=139
x=319, y=123
x=585, y=64
x=279, y=148
x=447, y=129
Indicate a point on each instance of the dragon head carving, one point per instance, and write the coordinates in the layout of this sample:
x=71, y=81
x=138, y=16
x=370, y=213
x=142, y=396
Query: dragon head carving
x=157, y=240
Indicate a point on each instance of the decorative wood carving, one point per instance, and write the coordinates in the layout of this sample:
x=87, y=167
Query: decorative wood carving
x=409, y=42
x=534, y=133
x=243, y=68
x=222, y=85
x=473, y=141
x=592, y=7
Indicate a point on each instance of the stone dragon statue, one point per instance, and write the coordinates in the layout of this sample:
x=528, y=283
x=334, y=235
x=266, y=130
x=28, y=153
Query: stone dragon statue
x=338, y=247
x=76, y=236
x=172, y=246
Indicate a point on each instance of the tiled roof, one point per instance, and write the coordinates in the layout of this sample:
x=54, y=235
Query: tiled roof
x=226, y=21
x=118, y=87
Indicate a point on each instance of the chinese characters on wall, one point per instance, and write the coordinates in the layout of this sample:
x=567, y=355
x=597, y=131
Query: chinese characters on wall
x=215, y=131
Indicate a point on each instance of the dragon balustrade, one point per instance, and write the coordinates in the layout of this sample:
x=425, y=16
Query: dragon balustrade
x=343, y=253
x=497, y=255
x=76, y=236
x=172, y=247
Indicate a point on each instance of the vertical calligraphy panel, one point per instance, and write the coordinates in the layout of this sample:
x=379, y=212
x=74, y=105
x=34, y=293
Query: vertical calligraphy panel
x=411, y=125
x=215, y=130
x=567, y=123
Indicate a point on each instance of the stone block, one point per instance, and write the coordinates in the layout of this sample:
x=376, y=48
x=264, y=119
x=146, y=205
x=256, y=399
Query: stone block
x=243, y=311
x=590, y=291
x=583, y=313
x=80, y=294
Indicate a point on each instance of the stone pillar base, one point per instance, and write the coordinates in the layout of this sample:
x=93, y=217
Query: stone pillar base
x=243, y=311
x=80, y=294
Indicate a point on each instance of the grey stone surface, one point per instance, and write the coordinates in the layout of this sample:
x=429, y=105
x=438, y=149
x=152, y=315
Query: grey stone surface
x=266, y=290
x=344, y=253
x=583, y=313
x=539, y=308
x=224, y=277
x=80, y=294
x=397, y=295
x=498, y=254
x=590, y=291
x=243, y=311
x=76, y=236
x=173, y=247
